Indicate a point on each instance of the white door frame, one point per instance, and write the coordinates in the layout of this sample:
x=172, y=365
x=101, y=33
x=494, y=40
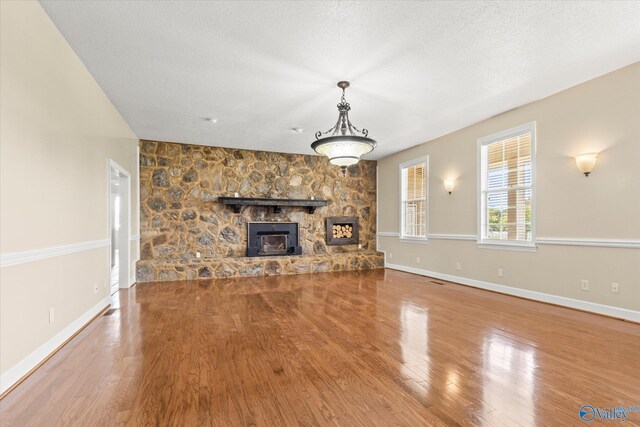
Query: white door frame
x=125, y=224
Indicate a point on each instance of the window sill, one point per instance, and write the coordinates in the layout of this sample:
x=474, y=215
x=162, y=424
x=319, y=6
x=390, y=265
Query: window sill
x=419, y=240
x=529, y=247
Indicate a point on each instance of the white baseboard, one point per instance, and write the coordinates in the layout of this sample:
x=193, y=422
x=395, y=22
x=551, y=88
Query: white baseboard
x=607, y=310
x=22, y=368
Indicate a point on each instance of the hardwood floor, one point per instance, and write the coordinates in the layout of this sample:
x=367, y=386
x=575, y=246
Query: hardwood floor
x=378, y=347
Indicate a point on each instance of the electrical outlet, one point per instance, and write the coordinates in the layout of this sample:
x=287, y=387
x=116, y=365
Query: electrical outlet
x=458, y=266
x=197, y=254
x=51, y=315
x=359, y=245
x=390, y=255
x=95, y=288
x=584, y=285
x=500, y=272
x=615, y=287
x=418, y=259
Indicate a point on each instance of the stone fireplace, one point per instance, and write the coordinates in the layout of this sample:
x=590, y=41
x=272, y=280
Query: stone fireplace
x=187, y=231
x=272, y=239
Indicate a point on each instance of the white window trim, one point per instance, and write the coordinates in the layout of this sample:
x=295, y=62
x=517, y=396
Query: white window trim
x=509, y=244
x=413, y=239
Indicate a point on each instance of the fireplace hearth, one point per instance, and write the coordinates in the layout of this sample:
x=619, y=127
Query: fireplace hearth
x=272, y=239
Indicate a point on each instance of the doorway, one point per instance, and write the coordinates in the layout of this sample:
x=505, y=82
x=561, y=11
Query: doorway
x=119, y=227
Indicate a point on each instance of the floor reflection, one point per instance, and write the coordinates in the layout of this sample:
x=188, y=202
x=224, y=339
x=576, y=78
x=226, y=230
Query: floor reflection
x=509, y=373
x=414, y=342
x=452, y=386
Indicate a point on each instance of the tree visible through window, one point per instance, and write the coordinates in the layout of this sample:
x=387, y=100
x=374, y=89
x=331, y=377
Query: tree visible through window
x=507, y=186
x=414, y=199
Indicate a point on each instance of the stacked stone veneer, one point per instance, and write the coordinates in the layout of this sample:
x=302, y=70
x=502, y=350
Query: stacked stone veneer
x=181, y=216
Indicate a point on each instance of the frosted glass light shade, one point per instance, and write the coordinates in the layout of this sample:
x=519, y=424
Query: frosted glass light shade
x=586, y=162
x=344, y=150
x=449, y=185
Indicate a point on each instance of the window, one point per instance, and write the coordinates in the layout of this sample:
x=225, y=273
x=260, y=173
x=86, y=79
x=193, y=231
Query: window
x=507, y=187
x=413, y=178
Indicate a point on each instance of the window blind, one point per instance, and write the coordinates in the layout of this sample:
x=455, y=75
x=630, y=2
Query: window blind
x=414, y=200
x=507, y=189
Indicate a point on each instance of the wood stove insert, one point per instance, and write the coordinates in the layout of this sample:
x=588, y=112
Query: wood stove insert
x=272, y=239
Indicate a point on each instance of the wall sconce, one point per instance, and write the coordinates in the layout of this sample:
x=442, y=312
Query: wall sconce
x=586, y=162
x=449, y=185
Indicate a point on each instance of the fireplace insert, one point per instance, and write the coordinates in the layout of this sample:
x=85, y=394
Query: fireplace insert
x=272, y=239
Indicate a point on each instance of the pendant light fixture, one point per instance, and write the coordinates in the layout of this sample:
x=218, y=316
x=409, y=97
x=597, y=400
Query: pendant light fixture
x=345, y=143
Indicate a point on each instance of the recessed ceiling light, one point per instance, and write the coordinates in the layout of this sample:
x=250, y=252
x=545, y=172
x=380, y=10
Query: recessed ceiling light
x=211, y=120
x=297, y=130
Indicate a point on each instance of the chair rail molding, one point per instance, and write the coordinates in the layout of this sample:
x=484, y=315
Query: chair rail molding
x=453, y=237
x=557, y=241
x=388, y=234
x=23, y=257
x=599, y=243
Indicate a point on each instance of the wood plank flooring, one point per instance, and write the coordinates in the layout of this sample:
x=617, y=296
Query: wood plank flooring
x=377, y=347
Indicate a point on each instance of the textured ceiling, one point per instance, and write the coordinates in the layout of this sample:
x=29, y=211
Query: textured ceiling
x=418, y=70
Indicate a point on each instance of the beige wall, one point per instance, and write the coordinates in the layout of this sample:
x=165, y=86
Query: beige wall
x=58, y=130
x=602, y=115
